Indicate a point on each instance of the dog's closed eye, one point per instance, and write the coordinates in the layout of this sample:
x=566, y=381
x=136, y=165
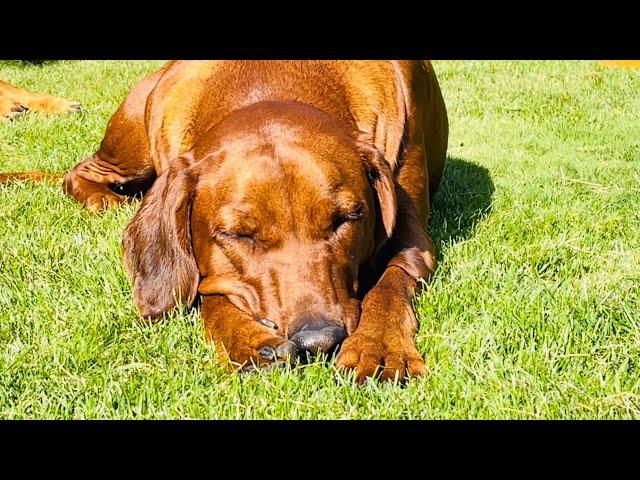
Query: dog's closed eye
x=351, y=216
x=232, y=236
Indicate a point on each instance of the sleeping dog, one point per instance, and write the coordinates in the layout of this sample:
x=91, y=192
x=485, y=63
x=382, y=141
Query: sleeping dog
x=291, y=197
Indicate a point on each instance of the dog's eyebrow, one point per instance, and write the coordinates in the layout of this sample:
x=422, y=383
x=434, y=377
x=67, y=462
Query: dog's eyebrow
x=235, y=217
x=235, y=210
x=348, y=205
x=345, y=196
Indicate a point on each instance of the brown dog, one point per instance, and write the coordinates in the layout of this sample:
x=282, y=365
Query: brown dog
x=16, y=101
x=293, y=196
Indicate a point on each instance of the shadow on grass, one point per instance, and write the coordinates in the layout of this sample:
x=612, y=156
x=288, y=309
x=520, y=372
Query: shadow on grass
x=26, y=63
x=462, y=200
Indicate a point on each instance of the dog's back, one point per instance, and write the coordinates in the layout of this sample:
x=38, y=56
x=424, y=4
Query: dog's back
x=394, y=100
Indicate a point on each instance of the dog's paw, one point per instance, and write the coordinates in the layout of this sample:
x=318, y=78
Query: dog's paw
x=99, y=201
x=273, y=354
x=258, y=346
x=386, y=356
x=17, y=111
x=56, y=105
x=9, y=109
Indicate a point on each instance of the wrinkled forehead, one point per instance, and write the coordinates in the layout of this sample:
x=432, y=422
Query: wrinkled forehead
x=285, y=180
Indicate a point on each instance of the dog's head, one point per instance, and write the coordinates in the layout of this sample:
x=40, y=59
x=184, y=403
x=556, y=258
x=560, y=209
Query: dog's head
x=276, y=208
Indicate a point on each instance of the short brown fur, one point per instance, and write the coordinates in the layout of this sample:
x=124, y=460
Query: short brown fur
x=281, y=192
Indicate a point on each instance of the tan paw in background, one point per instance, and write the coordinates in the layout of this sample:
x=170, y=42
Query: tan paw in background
x=16, y=101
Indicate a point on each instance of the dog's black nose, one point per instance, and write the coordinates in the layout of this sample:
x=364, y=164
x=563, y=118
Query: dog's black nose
x=318, y=336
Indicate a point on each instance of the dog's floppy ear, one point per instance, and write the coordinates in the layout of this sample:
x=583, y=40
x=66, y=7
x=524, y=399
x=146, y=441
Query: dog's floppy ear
x=381, y=179
x=157, y=246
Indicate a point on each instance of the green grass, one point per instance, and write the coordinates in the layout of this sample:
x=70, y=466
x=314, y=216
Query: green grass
x=534, y=311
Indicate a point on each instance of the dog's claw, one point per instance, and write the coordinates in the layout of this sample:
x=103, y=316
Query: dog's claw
x=285, y=351
x=268, y=353
x=267, y=323
x=77, y=106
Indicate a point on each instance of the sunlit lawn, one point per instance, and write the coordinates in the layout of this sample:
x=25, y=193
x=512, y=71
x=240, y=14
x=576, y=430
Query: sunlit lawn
x=534, y=311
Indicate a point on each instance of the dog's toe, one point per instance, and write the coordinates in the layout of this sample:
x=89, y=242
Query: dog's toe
x=287, y=351
x=17, y=111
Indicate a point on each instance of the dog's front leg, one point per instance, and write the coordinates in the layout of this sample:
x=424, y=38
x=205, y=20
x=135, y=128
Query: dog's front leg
x=241, y=339
x=384, y=341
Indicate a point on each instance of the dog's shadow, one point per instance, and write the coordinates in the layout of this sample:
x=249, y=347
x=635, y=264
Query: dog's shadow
x=26, y=63
x=462, y=200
